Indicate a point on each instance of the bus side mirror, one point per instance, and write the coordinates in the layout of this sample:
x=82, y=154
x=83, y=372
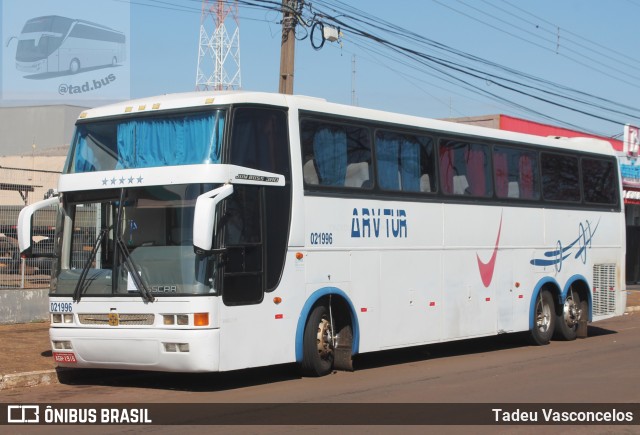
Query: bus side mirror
x=25, y=230
x=205, y=216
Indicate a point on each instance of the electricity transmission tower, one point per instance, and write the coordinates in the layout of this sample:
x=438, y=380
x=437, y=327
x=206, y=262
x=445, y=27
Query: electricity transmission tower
x=218, y=53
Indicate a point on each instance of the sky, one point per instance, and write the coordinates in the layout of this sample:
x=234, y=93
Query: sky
x=588, y=46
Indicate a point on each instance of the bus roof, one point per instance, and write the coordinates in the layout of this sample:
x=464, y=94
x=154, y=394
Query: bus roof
x=204, y=99
x=70, y=21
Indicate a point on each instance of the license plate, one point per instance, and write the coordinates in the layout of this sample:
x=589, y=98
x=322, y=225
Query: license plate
x=64, y=357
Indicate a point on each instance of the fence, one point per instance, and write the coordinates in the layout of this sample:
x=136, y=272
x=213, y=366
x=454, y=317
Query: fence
x=20, y=187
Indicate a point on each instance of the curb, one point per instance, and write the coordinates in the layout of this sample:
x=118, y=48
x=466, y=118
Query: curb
x=62, y=375
x=29, y=379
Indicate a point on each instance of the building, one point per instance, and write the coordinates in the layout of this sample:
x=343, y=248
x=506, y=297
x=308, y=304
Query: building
x=34, y=141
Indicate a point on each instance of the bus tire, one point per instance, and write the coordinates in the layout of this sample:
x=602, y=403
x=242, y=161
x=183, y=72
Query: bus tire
x=74, y=66
x=317, y=347
x=569, y=318
x=114, y=61
x=544, y=319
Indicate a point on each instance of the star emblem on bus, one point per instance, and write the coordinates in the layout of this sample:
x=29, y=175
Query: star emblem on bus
x=123, y=180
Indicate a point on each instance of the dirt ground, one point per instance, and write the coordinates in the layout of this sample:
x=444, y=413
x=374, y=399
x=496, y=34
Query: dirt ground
x=27, y=348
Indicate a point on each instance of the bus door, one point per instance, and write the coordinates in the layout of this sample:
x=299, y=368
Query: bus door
x=255, y=229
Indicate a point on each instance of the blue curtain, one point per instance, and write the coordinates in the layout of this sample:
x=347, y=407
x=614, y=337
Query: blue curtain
x=410, y=168
x=126, y=145
x=330, y=150
x=84, y=157
x=186, y=140
x=387, y=153
x=398, y=163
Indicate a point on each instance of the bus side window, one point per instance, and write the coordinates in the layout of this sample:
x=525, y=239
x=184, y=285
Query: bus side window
x=599, y=181
x=405, y=162
x=464, y=169
x=515, y=173
x=336, y=155
x=560, y=177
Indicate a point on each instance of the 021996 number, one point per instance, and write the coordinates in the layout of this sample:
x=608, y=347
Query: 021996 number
x=321, y=238
x=60, y=307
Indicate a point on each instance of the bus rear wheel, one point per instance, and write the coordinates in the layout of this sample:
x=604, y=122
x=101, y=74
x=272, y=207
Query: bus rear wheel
x=317, y=344
x=569, y=318
x=544, y=319
x=74, y=66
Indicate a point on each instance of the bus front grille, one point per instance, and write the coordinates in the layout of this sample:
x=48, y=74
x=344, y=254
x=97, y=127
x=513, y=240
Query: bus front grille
x=123, y=319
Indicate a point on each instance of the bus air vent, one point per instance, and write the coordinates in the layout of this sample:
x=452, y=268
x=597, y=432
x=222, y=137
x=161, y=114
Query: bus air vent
x=604, y=285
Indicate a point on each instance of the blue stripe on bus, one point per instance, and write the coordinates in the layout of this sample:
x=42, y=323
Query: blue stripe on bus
x=304, y=314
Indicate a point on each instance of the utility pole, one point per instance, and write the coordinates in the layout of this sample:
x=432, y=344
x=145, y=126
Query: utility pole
x=288, y=45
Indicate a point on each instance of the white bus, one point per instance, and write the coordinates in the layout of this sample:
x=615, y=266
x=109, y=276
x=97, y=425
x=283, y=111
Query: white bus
x=53, y=44
x=235, y=229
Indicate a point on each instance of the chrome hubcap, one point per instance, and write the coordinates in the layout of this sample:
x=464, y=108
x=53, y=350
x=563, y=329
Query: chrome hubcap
x=324, y=339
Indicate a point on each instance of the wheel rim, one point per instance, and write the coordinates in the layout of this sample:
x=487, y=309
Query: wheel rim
x=571, y=312
x=543, y=315
x=324, y=339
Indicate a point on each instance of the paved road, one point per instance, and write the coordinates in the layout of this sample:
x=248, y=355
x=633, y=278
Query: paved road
x=602, y=368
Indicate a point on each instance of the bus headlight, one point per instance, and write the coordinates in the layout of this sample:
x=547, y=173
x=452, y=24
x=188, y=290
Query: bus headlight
x=180, y=319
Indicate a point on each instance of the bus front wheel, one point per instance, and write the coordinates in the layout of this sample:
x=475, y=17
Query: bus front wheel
x=568, y=319
x=74, y=66
x=544, y=319
x=317, y=344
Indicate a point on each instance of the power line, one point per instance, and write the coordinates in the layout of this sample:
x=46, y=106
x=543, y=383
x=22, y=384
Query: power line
x=572, y=58
x=566, y=39
x=444, y=62
x=623, y=57
x=383, y=25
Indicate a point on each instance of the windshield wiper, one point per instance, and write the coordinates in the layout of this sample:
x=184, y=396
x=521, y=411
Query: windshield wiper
x=132, y=268
x=127, y=261
x=77, y=293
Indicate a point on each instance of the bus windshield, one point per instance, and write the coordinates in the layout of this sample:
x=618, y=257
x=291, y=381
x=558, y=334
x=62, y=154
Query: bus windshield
x=169, y=140
x=41, y=36
x=155, y=225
